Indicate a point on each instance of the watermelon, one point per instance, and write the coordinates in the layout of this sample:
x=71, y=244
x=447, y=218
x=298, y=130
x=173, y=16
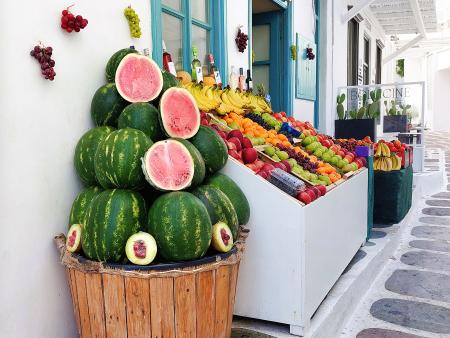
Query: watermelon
x=219, y=206
x=112, y=217
x=118, y=157
x=138, y=78
x=81, y=204
x=234, y=193
x=181, y=226
x=114, y=61
x=173, y=164
x=179, y=113
x=85, y=153
x=169, y=81
x=142, y=116
x=107, y=105
x=212, y=148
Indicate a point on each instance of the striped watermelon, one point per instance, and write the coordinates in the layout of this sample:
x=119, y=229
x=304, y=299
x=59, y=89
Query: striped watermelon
x=118, y=159
x=219, y=206
x=234, y=193
x=114, y=61
x=112, y=217
x=106, y=105
x=181, y=226
x=81, y=204
x=85, y=153
x=142, y=116
x=212, y=148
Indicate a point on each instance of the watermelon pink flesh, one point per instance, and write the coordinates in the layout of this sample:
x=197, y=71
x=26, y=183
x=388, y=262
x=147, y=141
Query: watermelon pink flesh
x=179, y=113
x=169, y=165
x=138, y=78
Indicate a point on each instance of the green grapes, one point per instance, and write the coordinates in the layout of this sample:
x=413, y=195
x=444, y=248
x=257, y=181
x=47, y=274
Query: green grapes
x=133, y=22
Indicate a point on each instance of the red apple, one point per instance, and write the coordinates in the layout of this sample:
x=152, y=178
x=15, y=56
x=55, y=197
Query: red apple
x=204, y=122
x=323, y=189
x=311, y=194
x=249, y=155
x=215, y=127
x=317, y=191
x=231, y=145
x=268, y=167
x=260, y=164
x=235, y=133
x=223, y=135
x=304, y=197
x=246, y=143
x=280, y=165
x=234, y=154
x=287, y=165
x=236, y=142
x=252, y=166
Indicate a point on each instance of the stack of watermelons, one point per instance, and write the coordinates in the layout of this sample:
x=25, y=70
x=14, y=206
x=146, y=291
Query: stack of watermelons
x=151, y=173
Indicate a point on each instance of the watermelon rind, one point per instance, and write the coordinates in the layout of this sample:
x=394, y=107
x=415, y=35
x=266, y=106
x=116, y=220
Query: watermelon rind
x=113, y=216
x=114, y=60
x=219, y=206
x=118, y=159
x=106, y=105
x=234, y=193
x=81, y=204
x=181, y=226
x=85, y=153
x=199, y=163
x=212, y=148
x=142, y=116
x=157, y=73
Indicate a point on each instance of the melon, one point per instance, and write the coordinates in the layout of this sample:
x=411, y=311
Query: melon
x=209, y=81
x=73, y=241
x=106, y=105
x=179, y=113
x=81, y=204
x=173, y=164
x=138, y=78
x=114, y=60
x=142, y=116
x=222, y=238
x=184, y=76
x=141, y=248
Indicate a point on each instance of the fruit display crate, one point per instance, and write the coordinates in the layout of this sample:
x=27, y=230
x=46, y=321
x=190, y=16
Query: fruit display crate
x=296, y=253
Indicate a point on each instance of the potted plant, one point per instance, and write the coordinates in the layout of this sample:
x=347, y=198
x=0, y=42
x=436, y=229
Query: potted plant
x=396, y=118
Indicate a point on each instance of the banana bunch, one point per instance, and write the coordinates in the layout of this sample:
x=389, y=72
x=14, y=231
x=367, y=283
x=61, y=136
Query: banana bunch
x=257, y=103
x=396, y=162
x=383, y=150
x=382, y=163
x=232, y=99
x=204, y=96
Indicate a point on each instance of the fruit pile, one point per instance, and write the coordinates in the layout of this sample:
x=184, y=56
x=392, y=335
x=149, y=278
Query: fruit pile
x=152, y=182
x=44, y=56
x=385, y=158
x=70, y=22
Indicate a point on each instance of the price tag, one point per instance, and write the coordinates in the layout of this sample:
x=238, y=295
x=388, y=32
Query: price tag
x=217, y=77
x=199, y=72
x=172, y=69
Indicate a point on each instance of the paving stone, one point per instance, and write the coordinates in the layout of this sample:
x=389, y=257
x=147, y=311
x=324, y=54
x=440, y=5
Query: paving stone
x=432, y=160
x=369, y=243
x=417, y=315
x=435, y=220
x=377, y=234
x=422, y=284
x=244, y=333
x=360, y=254
x=442, y=195
x=436, y=211
x=427, y=260
x=382, y=225
x=448, y=187
x=384, y=333
x=432, y=232
x=438, y=203
x=430, y=245
x=431, y=168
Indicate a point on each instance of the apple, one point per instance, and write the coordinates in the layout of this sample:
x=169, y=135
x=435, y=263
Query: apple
x=263, y=174
x=222, y=134
x=234, y=154
x=249, y=155
x=246, y=143
x=267, y=167
x=317, y=191
x=259, y=164
x=236, y=142
x=280, y=165
x=311, y=194
x=235, y=133
x=287, y=165
x=231, y=146
x=252, y=166
x=322, y=188
x=304, y=197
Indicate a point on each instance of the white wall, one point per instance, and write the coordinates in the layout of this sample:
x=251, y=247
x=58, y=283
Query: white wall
x=41, y=123
x=441, y=109
x=237, y=15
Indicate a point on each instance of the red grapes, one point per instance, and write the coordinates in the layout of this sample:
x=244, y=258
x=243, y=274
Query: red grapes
x=241, y=41
x=70, y=22
x=44, y=56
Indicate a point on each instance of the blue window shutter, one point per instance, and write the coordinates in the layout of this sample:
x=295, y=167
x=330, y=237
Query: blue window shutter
x=305, y=70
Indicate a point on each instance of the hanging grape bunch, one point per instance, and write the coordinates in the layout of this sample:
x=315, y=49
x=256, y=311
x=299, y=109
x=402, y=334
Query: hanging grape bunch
x=44, y=56
x=70, y=22
x=241, y=40
x=133, y=22
x=310, y=53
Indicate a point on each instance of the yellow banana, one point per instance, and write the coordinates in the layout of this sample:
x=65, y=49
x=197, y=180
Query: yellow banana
x=235, y=98
x=389, y=163
x=378, y=152
x=387, y=151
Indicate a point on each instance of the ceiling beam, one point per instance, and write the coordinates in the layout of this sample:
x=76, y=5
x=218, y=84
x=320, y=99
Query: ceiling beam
x=418, y=15
x=403, y=49
x=358, y=7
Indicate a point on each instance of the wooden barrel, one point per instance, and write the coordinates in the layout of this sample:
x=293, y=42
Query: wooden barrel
x=159, y=301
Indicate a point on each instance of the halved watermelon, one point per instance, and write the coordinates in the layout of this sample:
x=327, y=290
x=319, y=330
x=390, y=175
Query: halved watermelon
x=138, y=78
x=180, y=116
x=172, y=165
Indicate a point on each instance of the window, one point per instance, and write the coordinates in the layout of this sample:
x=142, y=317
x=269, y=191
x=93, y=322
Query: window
x=352, y=52
x=366, y=63
x=183, y=24
x=379, y=64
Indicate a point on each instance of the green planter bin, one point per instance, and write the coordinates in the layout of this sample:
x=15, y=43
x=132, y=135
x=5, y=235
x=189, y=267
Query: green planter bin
x=370, y=196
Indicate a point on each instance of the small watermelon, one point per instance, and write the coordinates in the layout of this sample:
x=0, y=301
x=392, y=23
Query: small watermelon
x=234, y=193
x=85, y=153
x=181, y=226
x=107, y=105
x=212, y=148
x=219, y=206
x=114, y=61
x=142, y=116
x=173, y=164
x=81, y=204
x=138, y=78
x=112, y=217
x=179, y=113
x=118, y=159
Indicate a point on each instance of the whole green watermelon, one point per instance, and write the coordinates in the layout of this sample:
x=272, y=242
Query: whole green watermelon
x=219, y=206
x=142, y=116
x=181, y=226
x=199, y=163
x=114, y=60
x=85, y=153
x=118, y=159
x=112, y=217
x=81, y=204
x=106, y=105
x=212, y=148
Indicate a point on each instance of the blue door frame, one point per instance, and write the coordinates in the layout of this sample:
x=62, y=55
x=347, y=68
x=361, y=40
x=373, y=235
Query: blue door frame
x=317, y=37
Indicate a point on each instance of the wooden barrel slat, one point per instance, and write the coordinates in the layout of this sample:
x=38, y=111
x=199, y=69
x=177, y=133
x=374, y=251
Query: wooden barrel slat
x=222, y=297
x=137, y=292
x=115, y=306
x=206, y=306
x=185, y=314
x=94, y=291
x=232, y=295
x=83, y=305
x=73, y=291
x=162, y=307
